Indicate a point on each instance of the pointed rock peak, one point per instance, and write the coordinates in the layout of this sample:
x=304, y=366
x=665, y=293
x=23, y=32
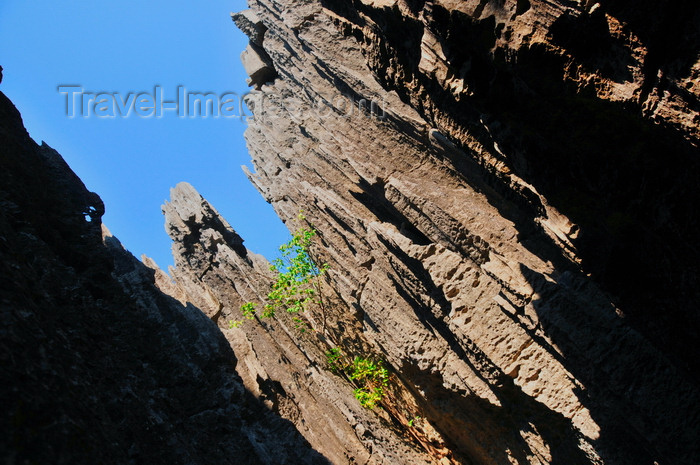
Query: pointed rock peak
x=186, y=189
x=194, y=224
x=185, y=195
x=187, y=205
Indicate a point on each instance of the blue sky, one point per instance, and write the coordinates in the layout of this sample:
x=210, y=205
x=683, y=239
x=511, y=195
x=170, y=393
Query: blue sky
x=130, y=46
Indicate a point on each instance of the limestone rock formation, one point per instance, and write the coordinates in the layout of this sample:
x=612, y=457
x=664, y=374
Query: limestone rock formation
x=255, y=60
x=281, y=365
x=505, y=194
x=97, y=365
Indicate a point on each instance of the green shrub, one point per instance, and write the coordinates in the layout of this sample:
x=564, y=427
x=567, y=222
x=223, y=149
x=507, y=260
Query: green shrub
x=371, y=377
x=297, y=284
x=369, y=397
x=413, y=420
x=334, y=358
x=248, y=310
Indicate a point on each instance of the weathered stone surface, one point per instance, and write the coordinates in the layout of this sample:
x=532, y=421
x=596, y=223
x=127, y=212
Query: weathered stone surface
x=96, y=365
x=283, y=367
x=248, y=22
x=487, y=183
x=257, y=65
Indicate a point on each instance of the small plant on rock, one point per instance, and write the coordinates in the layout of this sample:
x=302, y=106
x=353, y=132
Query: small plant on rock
x=369, y=397
x=298, y=283
x=373, y=379
x=336, y=362
x=370, y=377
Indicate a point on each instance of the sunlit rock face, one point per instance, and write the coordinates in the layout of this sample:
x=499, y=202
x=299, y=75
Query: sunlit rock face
x=505, y=194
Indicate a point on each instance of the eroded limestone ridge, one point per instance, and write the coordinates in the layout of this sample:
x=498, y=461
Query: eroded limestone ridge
x=97, y=365
x=504, y=192
x=284, y=367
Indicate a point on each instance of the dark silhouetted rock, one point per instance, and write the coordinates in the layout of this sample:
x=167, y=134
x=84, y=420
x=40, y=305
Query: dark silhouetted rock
x=97, y=365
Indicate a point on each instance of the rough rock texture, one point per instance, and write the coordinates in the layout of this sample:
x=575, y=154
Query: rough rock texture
x=506, y=194
x=281, y=365
x=96, y=365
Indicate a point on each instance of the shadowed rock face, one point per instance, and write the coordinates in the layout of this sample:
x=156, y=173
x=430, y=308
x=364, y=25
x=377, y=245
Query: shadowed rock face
x=97, y=365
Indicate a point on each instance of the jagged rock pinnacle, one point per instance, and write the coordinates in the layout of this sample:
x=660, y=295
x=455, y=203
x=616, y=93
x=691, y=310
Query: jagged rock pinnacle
x=194, y=224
